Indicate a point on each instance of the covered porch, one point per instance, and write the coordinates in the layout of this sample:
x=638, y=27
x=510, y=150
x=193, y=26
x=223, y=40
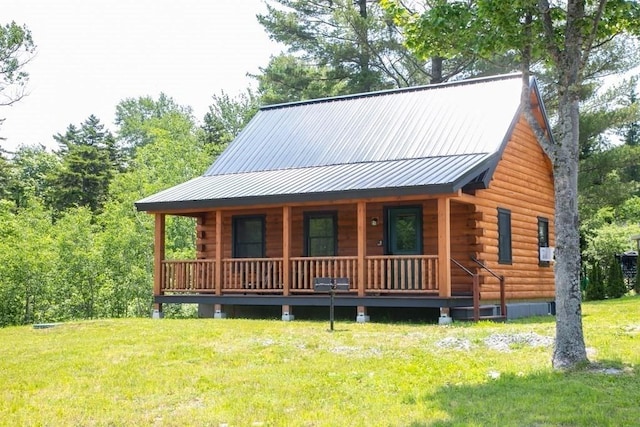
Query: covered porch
x=395, y=252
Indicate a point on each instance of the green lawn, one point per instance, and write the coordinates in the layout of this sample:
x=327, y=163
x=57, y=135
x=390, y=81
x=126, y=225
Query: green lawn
x=271, y=373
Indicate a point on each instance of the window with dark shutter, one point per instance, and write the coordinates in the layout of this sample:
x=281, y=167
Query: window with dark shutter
x=504, y=236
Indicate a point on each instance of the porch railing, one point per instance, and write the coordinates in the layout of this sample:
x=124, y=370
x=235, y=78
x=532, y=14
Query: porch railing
x=305, y=269
x=387, y=273
x=402, y=273
x=252, y=275
x=188, y=276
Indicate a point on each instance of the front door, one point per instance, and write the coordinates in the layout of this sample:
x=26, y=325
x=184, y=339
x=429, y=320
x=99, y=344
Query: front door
x=404, y=237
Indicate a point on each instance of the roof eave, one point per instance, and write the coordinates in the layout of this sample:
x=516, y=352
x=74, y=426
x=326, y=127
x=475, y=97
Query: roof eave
x=279, y=199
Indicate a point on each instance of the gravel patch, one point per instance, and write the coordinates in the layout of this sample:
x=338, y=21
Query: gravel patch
x=453, y=343
x=503, y=342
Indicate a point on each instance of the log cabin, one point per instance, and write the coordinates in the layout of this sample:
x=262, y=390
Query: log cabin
x=437, y=197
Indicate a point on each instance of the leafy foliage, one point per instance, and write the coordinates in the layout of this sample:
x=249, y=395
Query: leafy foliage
x=342, y=47
x=227, y=116
x=16, y=50
x=135, y=117
x=96, y=259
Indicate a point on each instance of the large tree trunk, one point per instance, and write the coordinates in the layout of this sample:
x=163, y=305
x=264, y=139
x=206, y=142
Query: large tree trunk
x=569, y=347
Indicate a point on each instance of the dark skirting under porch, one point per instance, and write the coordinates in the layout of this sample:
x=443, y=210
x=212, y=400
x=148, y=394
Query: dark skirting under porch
x=319, y=300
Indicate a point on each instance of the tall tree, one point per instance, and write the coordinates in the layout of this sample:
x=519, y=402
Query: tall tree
x=30, y=168
x=134, y=116
x=89, y=160
x=340, y=47
x=227, y=116
x=338, y=35
x=16, y=50
x=564, y=35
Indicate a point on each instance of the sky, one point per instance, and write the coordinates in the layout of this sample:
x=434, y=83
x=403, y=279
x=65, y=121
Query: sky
x=91, y=54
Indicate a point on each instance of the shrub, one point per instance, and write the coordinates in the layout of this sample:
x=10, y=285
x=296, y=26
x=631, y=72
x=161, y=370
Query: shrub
x=615, y=280
x=595, y=285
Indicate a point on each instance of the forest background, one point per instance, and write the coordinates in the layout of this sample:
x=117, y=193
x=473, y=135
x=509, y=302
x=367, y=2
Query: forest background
x=73, y=246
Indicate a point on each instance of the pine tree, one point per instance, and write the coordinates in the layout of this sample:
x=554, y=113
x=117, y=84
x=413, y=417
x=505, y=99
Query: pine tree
x=89, y=161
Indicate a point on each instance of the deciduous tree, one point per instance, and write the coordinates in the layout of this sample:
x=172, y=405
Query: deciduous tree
x=563, y=35
x=227, y=116
x=16, y=50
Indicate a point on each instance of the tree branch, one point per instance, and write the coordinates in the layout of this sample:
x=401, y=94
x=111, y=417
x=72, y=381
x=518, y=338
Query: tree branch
x=547, y=25
x=586, y=50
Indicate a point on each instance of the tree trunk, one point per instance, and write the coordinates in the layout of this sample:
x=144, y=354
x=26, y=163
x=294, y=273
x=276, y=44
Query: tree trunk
x=569, y=347
x=436, y=69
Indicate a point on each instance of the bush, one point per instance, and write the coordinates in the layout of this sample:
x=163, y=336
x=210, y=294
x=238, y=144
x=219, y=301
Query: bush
x=595, y=285
x=615, y=280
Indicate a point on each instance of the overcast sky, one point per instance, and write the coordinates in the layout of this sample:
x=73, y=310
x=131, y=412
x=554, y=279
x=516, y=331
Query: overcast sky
x=91, y=54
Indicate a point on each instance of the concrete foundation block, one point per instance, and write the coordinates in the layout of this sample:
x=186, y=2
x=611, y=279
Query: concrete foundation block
x=445, y=320
x=157, y=314
x=286, y=317
x=362, y=318
x=219, y=314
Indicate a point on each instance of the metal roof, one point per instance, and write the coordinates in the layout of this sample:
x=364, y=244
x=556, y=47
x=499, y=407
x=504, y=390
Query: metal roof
x=426, y=139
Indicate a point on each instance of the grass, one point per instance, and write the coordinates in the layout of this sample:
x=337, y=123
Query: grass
x=271, y=373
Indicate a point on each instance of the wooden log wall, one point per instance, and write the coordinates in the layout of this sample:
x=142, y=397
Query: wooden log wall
x=523, y=184
x=463, y=233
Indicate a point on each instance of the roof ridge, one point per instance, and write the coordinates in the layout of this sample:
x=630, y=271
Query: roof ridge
x=393, y=91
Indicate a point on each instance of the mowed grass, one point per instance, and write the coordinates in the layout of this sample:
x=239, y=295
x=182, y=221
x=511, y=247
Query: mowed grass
x=234, y=372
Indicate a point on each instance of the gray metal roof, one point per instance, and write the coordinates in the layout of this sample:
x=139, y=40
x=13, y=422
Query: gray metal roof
x=428, y=139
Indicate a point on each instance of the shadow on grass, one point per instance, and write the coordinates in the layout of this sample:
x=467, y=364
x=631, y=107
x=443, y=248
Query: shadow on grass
x=551, y=398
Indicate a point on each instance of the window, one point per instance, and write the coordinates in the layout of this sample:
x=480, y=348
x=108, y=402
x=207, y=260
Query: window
x=248, y=236
x=320, y=230
x=504, y=236
x=543, y=237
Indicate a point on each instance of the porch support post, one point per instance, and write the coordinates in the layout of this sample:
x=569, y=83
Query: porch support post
x=287, y=315
x=444, y=256
x=361, y=315
x=444, y=247
x=217, y=308
x=158, y=257
x=219, y=249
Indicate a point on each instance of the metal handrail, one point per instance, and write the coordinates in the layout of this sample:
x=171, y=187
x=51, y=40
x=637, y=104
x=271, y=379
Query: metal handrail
x=503, y=302
x=476, y=289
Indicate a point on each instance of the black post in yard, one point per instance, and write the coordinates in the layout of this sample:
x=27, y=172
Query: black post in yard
x=331, y=309
x=331, y=285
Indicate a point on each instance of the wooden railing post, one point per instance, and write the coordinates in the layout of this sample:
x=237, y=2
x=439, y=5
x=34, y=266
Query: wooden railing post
x=286, y=250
